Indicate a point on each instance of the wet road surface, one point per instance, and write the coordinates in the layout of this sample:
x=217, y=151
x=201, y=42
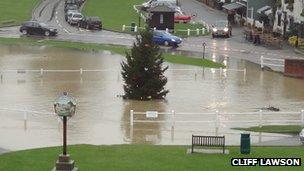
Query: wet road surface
x=104, y=118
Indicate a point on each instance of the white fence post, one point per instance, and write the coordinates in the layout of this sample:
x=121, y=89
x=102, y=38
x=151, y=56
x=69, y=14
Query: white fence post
x=204, y=30
x=135, y=29
x=216, y=122
x=245, y=73
x=41, y=71
x=302, y=117
x=167, y=30
x=81, y=71
x=154, y=28
x=197, y=31
x=262, y=65
x=260, y=118
x=123, y=27
x=131, y=117
x=25, y=119
x=217, y=119
x=173, y=118
x=188, y=32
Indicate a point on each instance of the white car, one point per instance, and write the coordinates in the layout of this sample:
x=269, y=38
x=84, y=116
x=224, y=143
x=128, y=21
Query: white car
x=69, y=14
x=302, y=136
x=74, y=18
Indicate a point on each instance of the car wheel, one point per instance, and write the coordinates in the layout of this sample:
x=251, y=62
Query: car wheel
x=166, y=43
x=47, y=33
x=24, y=32
x=175, y=45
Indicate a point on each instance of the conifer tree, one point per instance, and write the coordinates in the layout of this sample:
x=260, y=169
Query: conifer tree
x=143, y=70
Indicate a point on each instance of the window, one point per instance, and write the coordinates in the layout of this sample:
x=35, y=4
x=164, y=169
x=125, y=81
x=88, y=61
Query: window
x=161, y=20
x=279, y=19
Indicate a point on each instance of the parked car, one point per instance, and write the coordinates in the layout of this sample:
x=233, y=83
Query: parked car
x=221, y=28
x=69, y=2
x=36, y=28
x=302, y=136
x=70, y=7
x=90, y=23
x=69, y=14
x=74, y=18
x=181, y=17
x=167, y=39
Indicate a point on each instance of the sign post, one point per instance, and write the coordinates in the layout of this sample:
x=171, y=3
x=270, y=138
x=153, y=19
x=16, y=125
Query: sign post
x=204, y=49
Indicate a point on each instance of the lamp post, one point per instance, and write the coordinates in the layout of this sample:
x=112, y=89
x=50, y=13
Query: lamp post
x=204, y=49
x=65, y=107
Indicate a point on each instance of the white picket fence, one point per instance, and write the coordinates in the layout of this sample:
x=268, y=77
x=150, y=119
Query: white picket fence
x=271, y=62
x=25, y=113
x=188, y=32
x=263, y=118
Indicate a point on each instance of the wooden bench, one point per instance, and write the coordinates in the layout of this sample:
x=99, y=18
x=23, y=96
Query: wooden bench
x=208, y=141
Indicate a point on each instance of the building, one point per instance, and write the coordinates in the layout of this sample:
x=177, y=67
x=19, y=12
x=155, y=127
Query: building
x=260, y=13
x=289, y=17
x=236, y=11
x=161, y=17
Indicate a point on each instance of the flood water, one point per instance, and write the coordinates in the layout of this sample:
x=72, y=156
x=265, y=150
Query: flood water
x=103, y=117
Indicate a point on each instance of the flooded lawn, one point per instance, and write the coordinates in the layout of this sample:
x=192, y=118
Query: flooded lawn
x=104, y=118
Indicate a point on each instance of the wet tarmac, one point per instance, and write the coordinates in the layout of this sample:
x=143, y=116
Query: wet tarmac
x=104, y=118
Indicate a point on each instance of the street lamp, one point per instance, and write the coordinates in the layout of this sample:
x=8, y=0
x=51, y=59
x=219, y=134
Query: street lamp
x=204, y=49
x=65, y=106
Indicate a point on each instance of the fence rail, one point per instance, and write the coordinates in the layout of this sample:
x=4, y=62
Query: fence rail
x=198, y=31
x=216, y=117
x=266, y=62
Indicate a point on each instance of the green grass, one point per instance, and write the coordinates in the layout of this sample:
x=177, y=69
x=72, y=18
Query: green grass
x=14, y=12
x=114, y=13
x=113, y=48
x=191, y=26
x=63, y=44
x=124, y=14
x=178, y=59
x=284, y=129
x=140, y=157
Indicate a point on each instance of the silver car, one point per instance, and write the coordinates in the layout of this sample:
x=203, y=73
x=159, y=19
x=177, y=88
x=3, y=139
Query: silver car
x=221, y=28
x=74, y=18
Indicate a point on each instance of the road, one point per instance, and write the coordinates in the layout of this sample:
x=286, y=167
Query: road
x=52, y=13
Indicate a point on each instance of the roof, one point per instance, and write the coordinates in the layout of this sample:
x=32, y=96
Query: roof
x=161, y=8
x=232, y=6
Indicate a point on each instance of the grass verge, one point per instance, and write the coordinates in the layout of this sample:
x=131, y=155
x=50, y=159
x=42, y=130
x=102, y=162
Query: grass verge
x=186, y=60
x=14, y=12
x=141, y=157
x=114, y=13
x=283, y=129
x=124, y=14
x=113, y=48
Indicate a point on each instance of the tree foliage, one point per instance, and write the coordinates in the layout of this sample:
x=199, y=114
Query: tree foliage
x=143, y=70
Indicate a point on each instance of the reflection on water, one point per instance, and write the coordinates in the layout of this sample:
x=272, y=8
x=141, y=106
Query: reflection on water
x=104, y=118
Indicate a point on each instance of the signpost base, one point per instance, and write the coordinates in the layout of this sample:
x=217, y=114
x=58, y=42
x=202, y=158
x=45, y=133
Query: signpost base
x=65, y=163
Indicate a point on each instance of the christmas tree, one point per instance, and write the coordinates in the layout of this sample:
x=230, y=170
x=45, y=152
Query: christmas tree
x=143, y=71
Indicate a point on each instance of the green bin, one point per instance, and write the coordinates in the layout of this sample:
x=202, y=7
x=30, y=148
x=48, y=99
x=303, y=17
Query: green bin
x=245, y=143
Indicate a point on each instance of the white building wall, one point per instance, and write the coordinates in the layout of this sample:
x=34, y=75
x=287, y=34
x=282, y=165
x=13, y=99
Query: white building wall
x=296, y=13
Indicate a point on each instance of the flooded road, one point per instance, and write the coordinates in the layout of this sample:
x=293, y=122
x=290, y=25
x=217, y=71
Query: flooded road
x=104, y=118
